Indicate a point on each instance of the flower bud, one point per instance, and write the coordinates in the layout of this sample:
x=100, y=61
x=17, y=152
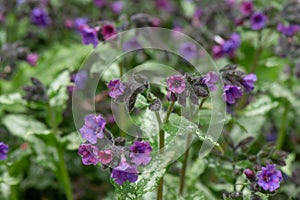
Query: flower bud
x=250, y=175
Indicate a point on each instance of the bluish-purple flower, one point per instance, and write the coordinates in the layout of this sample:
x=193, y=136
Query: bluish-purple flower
x=258, y=20
x=140, y=153
x=40, y=17
x=210, y=79
x=232, y=44
x=269, y=178
x=79, y=22
x=246, y=7
x=93, y=128
x=248, y=82
x=80, y=79
x=89, y=35
x=188, y=50
x=131, y=44
x=124, y=172
x=176, y=84
x=288, y=30
x=89, y=154
x=231, y=93
x=116, y=87
x=3, y=151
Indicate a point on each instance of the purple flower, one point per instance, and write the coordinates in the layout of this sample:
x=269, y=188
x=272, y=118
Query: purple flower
x=79, y=22
x=124, y=172
x=248, y=82
x=39, y=17
x=289, y=30
x=108, y=31
x=88, y=153
x=188, y=50
x=229, y=46
x=117, y=6
x=131, y=44
x=105, y=156
x=116, y=88
x=258, y=20
x=3, y=151
x=164, y=5
x=80, y=79
x=99, y=3
x=32, y=58
x=176, y=84
x=93, y=128
x=231, y=93
x=246, y=8
x=89, y=35
x=140, y=153
x=269, y=178
x=210, y=79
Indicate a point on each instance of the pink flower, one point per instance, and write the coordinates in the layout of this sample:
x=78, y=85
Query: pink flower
x=108, y=31
x=105, y=156
x=32, y=58
x=176, y=84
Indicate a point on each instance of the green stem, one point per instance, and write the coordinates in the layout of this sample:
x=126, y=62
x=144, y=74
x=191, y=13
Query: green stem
x=162, y=144
x=14, y=194
x=186, y=154
x=63, y=173
x=257, y=53
x=185, y=162
x=283, y=127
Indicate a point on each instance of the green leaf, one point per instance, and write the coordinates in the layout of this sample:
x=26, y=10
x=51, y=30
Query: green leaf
x=48, y=137
x=141, y=102
x=20, y=125
x=261, y=106
x=262, y=196
x=58, y=97
x=72, y=141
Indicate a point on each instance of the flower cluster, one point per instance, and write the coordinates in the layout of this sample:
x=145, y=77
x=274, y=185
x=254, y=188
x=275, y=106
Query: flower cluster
x=234, y=81
x=268, y=178
x=192, y=87
x=123, y=167
x=226, y=47
x=40, y=17
x=256, y=19
x=92, y=35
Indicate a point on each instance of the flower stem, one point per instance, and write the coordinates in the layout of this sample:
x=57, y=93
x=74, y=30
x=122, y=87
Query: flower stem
x=185, y=162
x=162, y=144
x=283, y=127
x=186, y=154
x=63, y=173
